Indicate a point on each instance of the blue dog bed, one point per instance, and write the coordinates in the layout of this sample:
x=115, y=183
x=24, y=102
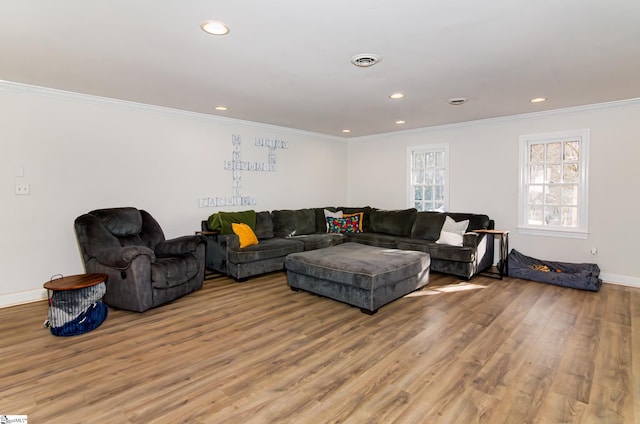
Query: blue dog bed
x=564, y=274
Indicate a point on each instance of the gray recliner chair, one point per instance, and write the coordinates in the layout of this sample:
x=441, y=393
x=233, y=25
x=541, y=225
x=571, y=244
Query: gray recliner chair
x=144, y=269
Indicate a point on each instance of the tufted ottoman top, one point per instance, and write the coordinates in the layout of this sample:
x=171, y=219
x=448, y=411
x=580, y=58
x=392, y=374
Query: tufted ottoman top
x=359, y=265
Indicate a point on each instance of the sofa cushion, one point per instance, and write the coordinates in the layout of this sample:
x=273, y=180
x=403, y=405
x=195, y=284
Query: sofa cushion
x=393, y=222
x=476, y=221
x=264, y=225
x=245, y=234
x=348, y=224
x=360, y=216
x=330, y=214
x=266, y=249
x=366, y=210
x=319, y=240
x=439, y=251
x=452, y=232
x=374, y=239
x=321, y=218
x=293, y=222
x=427, y=225
x=221, y=221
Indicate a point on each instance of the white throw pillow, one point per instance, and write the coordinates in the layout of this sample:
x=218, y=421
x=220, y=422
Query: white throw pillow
x=452, y=232
x=329, y=214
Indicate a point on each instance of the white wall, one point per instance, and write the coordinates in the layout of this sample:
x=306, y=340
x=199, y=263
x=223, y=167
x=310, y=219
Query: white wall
x=484, y=179
x=81, y=153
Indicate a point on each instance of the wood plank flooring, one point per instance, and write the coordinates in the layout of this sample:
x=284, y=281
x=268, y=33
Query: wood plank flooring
x=483, y=351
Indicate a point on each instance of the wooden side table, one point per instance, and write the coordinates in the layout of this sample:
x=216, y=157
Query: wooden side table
x=75, y=303
x=503, y=265
x=210, y=274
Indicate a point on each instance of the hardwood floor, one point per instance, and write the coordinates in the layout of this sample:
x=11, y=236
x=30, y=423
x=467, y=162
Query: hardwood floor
x=483, y=351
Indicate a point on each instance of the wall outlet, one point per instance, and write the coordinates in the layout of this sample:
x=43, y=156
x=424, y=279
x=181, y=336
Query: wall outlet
x=22, y=189
x=594, y=251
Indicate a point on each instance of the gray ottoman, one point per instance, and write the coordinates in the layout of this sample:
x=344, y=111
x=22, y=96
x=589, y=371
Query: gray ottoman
x=360, y=275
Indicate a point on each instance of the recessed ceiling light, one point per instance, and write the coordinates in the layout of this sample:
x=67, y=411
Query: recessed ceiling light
x=346, y=131
x=214, y=27
x=457, y=101
x=399, y=122
x=220, y=108
x=396, y=96
x=538, y=99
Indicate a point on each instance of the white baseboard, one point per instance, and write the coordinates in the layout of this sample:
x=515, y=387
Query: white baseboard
x=623, y=280
x=12, y=299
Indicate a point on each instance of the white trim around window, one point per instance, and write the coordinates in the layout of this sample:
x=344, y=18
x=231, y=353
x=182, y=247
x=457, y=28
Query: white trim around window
x=432, y=179
x=554, y=184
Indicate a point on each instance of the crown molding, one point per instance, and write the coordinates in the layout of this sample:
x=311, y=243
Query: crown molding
x=501, y=119
x=56, y=93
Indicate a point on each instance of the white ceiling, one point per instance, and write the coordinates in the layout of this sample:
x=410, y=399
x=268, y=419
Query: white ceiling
x=287, y=62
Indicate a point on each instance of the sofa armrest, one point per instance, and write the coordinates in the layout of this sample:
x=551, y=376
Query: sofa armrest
x=218, y=246
x=121, y=257
x=472, y=239
x=178, y=246
x=232, y=241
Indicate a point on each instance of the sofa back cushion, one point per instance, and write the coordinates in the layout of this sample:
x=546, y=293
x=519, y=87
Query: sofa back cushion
x=264, y=225
x=321, y=221
x=476, y=221
x=221, y=221
x=293, y=222
x=427, y=225
x=394, y=222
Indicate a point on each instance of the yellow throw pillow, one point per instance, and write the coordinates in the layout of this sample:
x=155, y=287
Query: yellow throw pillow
x=245, y=234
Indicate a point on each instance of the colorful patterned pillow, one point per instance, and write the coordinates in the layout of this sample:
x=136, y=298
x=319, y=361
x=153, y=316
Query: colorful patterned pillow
x=349, y=224
x=360, y=221
x=329, y=214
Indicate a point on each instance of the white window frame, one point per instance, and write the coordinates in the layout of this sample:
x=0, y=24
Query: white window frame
x=440, y=147
x=582, y=229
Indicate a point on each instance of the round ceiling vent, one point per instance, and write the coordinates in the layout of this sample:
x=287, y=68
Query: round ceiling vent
x=456, y=101
x=365, y=60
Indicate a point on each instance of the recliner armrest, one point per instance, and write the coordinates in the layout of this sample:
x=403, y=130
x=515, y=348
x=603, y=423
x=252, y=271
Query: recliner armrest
x=121, y=257
x=178, y=246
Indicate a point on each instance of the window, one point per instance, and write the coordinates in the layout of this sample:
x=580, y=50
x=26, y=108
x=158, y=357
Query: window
x=428, y=177
x=554, y=184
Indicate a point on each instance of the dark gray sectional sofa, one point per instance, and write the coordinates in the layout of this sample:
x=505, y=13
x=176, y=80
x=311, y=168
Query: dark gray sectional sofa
x=282, y=232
